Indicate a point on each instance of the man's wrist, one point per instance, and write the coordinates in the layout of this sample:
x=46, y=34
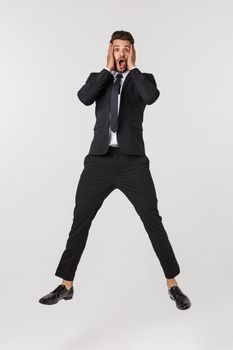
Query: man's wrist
x=129, y=68
x=110, y=70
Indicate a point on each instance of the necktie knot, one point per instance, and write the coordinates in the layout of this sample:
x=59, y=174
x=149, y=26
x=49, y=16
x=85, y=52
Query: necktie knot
x=119, y=75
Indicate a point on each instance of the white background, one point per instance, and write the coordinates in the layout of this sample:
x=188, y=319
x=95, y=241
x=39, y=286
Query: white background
x=48, y=49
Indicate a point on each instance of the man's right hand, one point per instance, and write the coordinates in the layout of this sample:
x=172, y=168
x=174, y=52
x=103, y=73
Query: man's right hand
x=110, y=58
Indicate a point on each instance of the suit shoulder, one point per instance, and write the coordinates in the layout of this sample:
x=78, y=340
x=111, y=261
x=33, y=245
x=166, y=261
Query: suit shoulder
x=148, y=74
x=92, y=74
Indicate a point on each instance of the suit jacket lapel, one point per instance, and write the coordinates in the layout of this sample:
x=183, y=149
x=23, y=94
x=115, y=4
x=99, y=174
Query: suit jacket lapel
x=125, y=82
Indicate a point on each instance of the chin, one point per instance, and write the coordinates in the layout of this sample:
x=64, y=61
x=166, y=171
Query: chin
x=121, y=70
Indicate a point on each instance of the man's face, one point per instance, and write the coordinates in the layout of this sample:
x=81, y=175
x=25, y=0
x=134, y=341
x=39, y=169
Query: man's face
x=121, y=52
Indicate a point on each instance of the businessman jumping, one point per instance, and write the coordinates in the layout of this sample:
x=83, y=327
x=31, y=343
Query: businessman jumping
x=117, y=160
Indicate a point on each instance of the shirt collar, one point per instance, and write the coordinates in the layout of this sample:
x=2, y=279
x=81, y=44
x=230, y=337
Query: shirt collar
x=114, y=73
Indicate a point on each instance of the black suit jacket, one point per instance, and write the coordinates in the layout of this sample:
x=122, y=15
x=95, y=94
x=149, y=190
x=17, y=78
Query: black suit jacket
x=139, y=89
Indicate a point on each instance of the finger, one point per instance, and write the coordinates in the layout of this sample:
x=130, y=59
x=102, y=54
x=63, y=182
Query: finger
x=111, y=48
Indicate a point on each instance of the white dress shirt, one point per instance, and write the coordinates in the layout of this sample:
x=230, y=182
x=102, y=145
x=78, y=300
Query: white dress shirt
x=113, y=135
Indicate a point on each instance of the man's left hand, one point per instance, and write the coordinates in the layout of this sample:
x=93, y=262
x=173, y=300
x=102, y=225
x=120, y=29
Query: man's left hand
x=132, y=57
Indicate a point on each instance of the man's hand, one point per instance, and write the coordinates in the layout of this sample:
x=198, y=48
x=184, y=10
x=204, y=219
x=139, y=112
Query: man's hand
x=110, y=58
x=132, y=57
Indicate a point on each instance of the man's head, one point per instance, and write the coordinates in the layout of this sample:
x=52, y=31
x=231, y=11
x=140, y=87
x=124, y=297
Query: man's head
x=121, y=41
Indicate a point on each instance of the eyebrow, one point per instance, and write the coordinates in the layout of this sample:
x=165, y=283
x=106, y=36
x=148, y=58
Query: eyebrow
x=119, y=45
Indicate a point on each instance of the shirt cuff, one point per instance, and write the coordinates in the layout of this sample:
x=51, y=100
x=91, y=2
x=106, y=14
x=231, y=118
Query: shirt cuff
x=130, y=68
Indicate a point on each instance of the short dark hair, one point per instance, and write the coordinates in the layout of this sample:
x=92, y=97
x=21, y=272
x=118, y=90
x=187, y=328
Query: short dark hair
x=123, y=35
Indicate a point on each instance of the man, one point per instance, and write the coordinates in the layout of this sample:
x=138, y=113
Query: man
x=117, y=159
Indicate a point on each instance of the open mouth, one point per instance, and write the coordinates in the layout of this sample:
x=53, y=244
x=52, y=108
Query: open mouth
x=121, y=62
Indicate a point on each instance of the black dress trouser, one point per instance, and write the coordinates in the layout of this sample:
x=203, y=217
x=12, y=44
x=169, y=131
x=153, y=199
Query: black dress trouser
x=100, y=176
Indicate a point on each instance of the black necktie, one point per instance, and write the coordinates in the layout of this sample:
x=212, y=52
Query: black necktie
x=114, y=102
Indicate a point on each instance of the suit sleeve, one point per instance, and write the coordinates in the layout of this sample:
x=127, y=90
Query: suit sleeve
x=146, y=86
x=93, y=86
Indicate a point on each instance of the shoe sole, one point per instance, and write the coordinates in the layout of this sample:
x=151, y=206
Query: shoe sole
x=65, y=298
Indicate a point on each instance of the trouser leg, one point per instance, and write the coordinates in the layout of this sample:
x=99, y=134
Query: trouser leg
x=137, y=184
x=92, y=189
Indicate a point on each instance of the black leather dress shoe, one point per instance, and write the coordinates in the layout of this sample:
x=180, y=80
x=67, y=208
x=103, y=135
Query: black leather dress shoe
x=181, y=300
x=59, y=293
